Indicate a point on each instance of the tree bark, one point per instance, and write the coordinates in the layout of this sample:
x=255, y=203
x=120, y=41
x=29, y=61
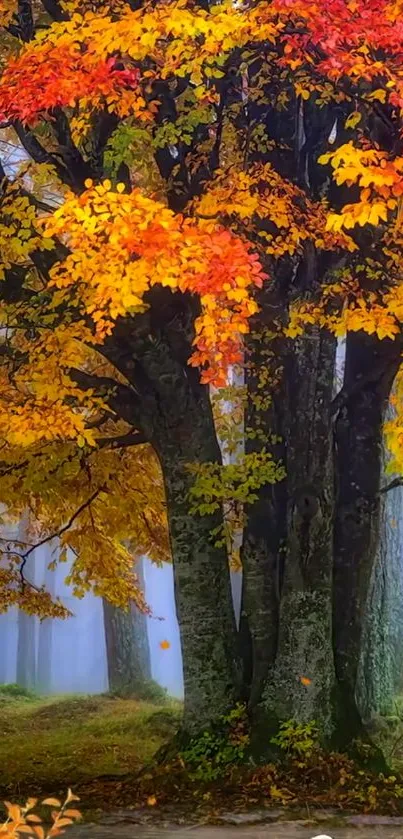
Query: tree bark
x=124, y=650
x=201, y=572
x=45, y=641
x=264, y=536
x=139, y=620
x=172, y=409
x=370, y=368
x=302, y=681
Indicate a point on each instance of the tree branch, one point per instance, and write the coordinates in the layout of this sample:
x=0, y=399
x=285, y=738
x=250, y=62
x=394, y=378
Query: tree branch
x=58, y=533
x=39, y=154
x=54, y=10
x=122, y=441
x=397, y=482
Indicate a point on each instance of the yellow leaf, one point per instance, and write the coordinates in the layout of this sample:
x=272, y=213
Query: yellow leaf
x=380, y=95
x=151, y=800
x=353, y=120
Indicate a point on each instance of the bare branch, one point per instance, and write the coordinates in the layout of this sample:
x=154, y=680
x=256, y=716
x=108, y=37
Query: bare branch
x=397, y=482
x=58, y=533
x=122, y=441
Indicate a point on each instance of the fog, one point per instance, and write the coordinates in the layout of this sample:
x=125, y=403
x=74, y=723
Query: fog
x=69, y=656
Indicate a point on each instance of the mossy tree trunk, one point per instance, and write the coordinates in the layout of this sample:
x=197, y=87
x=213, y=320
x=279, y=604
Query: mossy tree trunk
x=201, y=574
x=264, y=536
x=370, y=368
x=165, y=400
x=333, y=458
x=301, y=683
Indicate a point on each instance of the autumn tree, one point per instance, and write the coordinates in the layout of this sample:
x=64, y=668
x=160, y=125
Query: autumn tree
x=231, y=180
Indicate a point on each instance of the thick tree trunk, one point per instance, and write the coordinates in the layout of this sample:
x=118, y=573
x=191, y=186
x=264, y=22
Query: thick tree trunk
x=302, y=681
x=201, y=572
x=369, y=373
x=172, y=409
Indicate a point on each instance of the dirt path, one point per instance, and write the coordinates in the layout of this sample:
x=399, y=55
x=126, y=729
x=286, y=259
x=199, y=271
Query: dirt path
x=359, y=827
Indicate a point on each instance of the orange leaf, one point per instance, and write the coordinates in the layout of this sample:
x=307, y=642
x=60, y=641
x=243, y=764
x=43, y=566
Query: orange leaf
x=75, y=814
x=151, y=800
x=305, y=681
x=53, y=802
x=39, y=832
x=165, y=645
x=14, y=812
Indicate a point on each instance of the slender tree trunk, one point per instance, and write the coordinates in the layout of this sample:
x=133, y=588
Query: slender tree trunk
x=45, y=641
x=139, y=620
x=265, y=532
x=371, y=366
x=26, y=652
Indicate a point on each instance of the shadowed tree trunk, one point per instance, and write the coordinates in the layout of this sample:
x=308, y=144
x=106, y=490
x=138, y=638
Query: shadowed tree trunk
x=300, y=686
x=370, y=368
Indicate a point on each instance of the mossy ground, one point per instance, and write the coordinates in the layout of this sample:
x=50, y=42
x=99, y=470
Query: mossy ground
x=47, y=744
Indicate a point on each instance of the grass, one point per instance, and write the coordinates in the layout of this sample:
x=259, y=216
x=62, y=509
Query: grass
x=52, y=743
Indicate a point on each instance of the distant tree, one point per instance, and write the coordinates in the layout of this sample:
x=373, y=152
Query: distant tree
x=127, y=648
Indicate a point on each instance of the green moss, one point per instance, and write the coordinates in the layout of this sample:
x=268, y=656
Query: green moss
x=54, y=743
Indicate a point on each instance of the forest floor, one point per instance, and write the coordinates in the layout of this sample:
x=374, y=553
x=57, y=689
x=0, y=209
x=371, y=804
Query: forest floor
x=97, y=746
x=47, y=744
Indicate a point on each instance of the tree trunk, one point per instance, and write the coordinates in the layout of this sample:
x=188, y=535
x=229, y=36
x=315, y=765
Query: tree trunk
x=201, y=573
x=124, y=650
x=370, y=369
x=172, y=409
x=265, y=532
x=45, y=641
x=381, y=657
x=302, y=682
x=139, y=620
x=26, y=652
